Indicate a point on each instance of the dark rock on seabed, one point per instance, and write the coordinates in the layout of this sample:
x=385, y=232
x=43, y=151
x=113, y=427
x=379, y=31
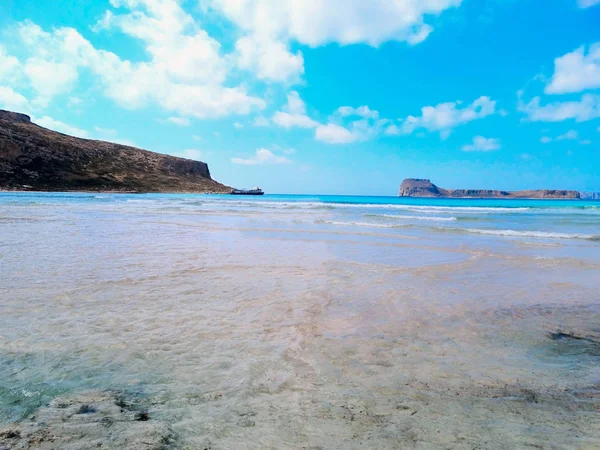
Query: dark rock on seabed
x=37, y=159
x=95, y=419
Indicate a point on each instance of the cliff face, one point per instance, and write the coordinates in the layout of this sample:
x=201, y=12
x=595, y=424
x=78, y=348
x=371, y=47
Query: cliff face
x=416, y=187
x=34, y=158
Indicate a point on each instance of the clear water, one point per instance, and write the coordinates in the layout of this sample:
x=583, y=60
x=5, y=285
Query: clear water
x=309, y=321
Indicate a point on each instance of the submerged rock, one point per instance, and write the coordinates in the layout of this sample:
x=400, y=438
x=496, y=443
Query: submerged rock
x=95, y=419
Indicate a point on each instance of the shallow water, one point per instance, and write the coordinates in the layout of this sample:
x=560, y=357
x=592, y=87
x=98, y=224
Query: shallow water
x=309, y=322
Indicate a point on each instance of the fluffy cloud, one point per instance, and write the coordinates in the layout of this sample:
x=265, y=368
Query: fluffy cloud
x=294, y=114
x=50, y=78
x=571, y=135
x=361, y=111
x=576, y=71
x=185, y=72
x=12, y=100
x=587, y=3
x=335, y=131
x=9, y=65
x=334, y=134
x=444, y=117
x=287, y=120
x=269, y=59
x=262, y=156
x=57, y=125
x=482, y=144
x=269, y=26
x=318, y=22
x=191, y=153
x=587, y=108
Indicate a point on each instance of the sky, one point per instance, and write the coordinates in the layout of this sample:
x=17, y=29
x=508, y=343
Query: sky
x=321, y=96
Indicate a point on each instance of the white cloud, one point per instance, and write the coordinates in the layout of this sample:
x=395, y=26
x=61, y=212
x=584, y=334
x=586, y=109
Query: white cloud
x=180, y=121
x=587, y=3
x=294, y=114
x=571, y=135
x=587, y=108
x=318, y=22
x=270, y=26
x=287, y=120
x=444, y=117
x=238, y=125
x=185, y=73
x=9, y=65
x=269, y=59
x=334, y=134
x=191, y=153
x=57, y=125
x=482, y=144
x=13, y=101
x=177, y=45
x=576, y=71
x=361, y=111
x=49, y=78
x=263, y=156
x=585, y=142
x=545, y=139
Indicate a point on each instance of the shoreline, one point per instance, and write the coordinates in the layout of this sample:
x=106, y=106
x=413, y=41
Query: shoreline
x=320, y=195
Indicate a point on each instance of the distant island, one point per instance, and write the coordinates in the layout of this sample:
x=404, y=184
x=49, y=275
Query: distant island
x=590, y=195
x=38, y=159
x=418, y=187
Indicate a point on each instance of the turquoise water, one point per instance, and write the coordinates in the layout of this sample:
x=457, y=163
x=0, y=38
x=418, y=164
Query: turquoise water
x=542, y=219
x=289, y=321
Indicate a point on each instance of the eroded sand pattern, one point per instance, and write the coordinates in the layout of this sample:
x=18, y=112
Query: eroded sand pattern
x=248, y=334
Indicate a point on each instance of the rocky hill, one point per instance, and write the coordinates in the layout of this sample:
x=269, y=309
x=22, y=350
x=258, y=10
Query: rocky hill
x=35, y=158
x=590, y=195
x=418, y=187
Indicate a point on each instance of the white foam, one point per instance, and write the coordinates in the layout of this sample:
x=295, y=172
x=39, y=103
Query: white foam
x=401, y=217
x=532, y=234
x=358, y=224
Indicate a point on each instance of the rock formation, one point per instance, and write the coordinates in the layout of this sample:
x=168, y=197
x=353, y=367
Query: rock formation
x=418, y=187
x=35, y=158
x=590, y=195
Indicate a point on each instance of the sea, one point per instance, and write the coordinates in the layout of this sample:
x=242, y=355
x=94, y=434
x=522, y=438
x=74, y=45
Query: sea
x=309, y=321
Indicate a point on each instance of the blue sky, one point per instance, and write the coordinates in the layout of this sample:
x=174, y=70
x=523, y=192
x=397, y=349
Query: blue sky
x=322, y=96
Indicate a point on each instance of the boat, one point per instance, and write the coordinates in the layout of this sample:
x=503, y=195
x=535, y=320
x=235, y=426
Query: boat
x=253, y=191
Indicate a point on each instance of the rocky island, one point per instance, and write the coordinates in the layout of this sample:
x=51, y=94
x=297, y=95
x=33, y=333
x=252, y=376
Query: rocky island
x=419, y=187
x=35, y=158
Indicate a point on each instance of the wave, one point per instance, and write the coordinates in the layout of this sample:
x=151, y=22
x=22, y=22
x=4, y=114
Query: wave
x=428, y=218
x=483, y=231
x=332, y=205
x=532, y=234
x=359, y=224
